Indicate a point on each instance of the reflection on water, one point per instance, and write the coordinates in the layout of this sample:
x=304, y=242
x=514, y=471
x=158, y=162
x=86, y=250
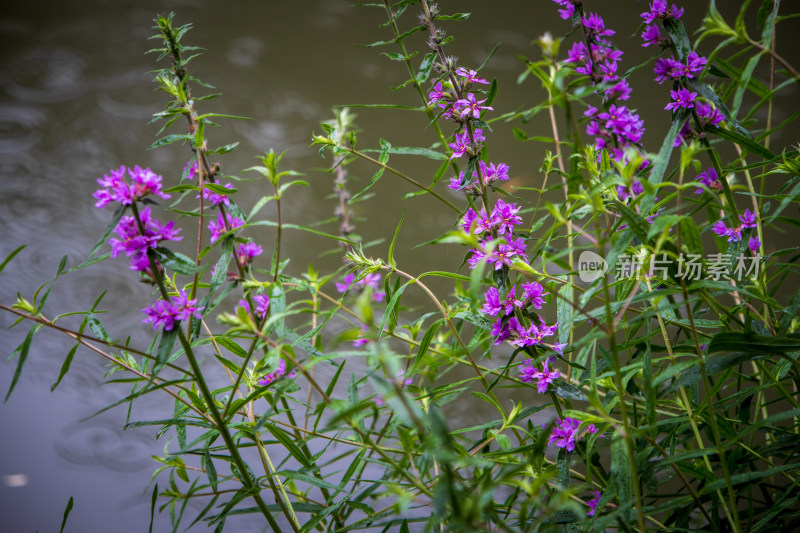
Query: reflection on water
x=75, y=98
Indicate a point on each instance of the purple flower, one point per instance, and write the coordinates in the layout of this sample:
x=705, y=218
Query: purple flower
x=754, y=244
x=190, y=169
x=534, y=294
x=567, y=8
x=667, y=68
x=544, y=377
x=135, y=245
x=494, y=305
x=168, y=313
x=659, y=10
x=470, y=76
x=681, y=98
x=117, y=189
x=593, y=503
x=218, y=227
x=370, y=280
x=748, y=219
x=710, y=179
x=620, y=91
x=694, y=63
x=733, y=234
x=596, y=27
x=471, y=106
x=247, y=252
x=437, y=94
x=566, y=433
x=262, y=305
x=504, y=217
x=563, y=434
x=279, y=371
x=493, y=173
x=215, y=198
x=652, y=35
x=708, y=114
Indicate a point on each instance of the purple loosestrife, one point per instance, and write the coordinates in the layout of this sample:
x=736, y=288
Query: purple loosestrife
x=273, y=376
x=710, y=179
x=143, y=182
x=262, y=305
x=169, y=313
x=659, y=10
x=593, y=503
x=652, y=35
x=534, y=295
x=754, y=244
x=567, y=8
x=708, y=115
x=190, y=169
x=565, y=433
x=135, y=245
x=247, y=252
x=470, y=106
x=464, y=145
x=543, y=377
x=370, y=280
x=747, y=220
x=682, y=98
x=470, y=76
x=218, y=227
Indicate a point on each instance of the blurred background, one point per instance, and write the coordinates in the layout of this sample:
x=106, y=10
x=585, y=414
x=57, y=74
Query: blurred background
x=76, y=96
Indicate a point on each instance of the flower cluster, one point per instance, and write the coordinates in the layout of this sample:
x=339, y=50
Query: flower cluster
x=734, y=234
x=190, y=170
x=566, y=432
x=168, y=313
x=497, y=225
x=614, y=129
x=135, y=244
x=488, y=174
x=671, y=69
x=369, y=281
x=708, y=116
x=116, y=188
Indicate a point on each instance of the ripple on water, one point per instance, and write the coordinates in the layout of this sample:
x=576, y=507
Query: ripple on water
x=46, y=75
x=102, y=443
x=19, y=128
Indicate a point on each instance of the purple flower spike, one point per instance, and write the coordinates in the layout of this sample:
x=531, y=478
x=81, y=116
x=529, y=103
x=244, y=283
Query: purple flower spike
x=534, y=294
x=168, y=313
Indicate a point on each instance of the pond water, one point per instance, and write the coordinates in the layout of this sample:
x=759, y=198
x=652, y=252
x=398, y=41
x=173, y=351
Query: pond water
x=76, y=95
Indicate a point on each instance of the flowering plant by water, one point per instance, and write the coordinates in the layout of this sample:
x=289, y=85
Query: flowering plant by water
x=624, y=327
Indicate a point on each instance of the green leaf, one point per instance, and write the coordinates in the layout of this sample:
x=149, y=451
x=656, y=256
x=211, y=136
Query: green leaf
x=394, y=240
x=22, y=352
x=176, y=262
x=169, y=139
x=424, y=71
x=742, y=141
x=11, y=256
x=753, y=344
x=153, y=507
x=66, y=515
